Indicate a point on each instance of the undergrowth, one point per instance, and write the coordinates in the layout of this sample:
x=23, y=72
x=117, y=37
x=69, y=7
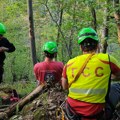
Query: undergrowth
x=23, y=88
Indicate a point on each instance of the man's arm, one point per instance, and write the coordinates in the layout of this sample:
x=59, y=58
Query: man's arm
x=116, y=76
x=115, y=68
x=8, y=47
x=64, y=83
x=3, y=49
x=64, y=78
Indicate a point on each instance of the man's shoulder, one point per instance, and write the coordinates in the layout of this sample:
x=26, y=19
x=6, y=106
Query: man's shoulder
x=103, y=55
x=114, y=60
x=3, y=39
x=106, y=56
x=74, y=59
x=58, y=63
x=38, y=64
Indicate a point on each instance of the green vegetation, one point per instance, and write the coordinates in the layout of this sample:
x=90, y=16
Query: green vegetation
x=56, y=20
x=23, y=88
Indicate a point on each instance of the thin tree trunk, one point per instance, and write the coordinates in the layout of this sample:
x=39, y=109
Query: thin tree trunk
x=105, y=34
x=59, y=29
x=94, y=21
x=117, y=17
x=32, y=36
x=60, y=24
x=72, y=30
x=105, y=29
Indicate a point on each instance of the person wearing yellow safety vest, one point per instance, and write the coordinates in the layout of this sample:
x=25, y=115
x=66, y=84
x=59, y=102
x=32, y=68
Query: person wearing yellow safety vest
x=87, y=77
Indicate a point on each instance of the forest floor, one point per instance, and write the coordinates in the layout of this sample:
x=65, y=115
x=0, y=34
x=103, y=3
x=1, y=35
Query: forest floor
x=45, y=107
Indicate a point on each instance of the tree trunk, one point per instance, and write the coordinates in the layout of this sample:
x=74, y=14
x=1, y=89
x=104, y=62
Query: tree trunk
x=94, y=21
x=105, y=44
x=11, y=110
x=105, y=29
x=117, y=17
x=32, y=36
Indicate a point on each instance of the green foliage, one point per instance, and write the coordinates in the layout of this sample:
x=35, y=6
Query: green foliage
x=73, y=14
x=23, y=88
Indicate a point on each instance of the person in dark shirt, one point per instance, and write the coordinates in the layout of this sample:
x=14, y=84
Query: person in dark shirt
x=5, y=46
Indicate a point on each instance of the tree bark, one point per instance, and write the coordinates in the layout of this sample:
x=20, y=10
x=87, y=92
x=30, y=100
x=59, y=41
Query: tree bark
x=117, y=17
x=11, y=110
x=105, y=28
x=94, y=21
x=105, y=44
x=32, y=36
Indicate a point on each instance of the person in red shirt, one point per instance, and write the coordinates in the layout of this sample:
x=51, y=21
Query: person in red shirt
x=49, y=69
x=87, y=79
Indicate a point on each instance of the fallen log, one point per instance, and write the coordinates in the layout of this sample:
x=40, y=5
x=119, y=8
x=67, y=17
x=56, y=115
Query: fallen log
x=20, y=104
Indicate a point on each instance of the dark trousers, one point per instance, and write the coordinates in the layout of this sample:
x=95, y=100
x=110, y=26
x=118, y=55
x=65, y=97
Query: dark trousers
x=114, y=99
x=1, y=73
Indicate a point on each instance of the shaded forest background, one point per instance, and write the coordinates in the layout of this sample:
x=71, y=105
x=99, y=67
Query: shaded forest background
x=60, y=21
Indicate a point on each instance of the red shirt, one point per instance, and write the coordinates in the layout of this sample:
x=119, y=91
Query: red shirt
x=84, y=108
x=41, y=68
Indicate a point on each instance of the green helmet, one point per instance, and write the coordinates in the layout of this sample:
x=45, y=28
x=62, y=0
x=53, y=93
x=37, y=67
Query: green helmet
x=50, y=47
x=2, y=29
x=87, y=33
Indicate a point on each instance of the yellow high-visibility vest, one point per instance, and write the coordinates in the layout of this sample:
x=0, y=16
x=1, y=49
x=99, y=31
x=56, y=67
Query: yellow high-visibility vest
x=92, y=84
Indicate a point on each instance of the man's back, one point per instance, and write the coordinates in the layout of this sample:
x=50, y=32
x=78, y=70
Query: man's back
x=93, y=80
x=54, y=67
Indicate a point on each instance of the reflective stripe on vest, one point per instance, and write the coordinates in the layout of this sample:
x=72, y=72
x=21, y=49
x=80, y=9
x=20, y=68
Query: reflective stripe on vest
x=87, y=91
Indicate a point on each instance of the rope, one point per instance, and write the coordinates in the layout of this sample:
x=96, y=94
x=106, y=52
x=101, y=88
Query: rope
x=63, y=117
x=81, y=69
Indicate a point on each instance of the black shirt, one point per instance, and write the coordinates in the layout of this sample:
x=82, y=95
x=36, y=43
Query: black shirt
x=5, y=43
